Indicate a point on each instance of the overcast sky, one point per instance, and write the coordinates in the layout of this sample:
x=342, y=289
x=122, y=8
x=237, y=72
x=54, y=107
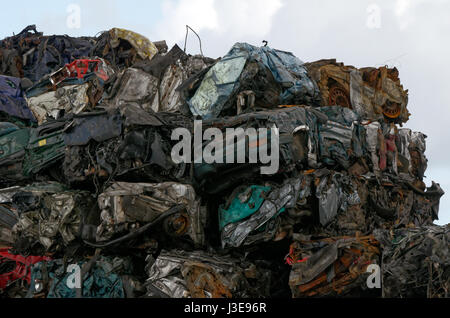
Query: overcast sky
x=413, y=35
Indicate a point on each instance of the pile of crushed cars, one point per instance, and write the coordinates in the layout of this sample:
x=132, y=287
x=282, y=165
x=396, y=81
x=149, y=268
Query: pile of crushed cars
x=88, y=179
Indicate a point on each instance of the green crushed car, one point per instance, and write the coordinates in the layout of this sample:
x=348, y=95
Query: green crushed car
x=24, y=152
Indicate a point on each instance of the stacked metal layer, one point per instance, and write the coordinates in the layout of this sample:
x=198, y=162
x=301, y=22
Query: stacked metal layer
x=90, y=182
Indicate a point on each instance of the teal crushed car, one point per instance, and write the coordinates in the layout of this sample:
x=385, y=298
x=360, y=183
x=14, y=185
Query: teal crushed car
x=245, y=203
x=252, y=213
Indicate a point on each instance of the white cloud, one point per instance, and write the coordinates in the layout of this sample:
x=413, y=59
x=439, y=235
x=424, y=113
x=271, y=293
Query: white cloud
x=407, y=13
x=198, y=14
x=247, y=18
x=217, y=20
x=401, y=7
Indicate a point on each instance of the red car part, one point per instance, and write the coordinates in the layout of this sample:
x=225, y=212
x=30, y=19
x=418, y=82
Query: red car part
x=22, y=269
x=78, y=69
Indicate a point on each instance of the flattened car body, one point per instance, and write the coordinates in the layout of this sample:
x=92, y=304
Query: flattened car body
x=104, y=277
x=13, y=143
x=24, y=152
x=416, y=262
x=121, y=142
x=373, y=93
x=124, y=205
x=52, y=224
x=222, y=82
x=179, y=274
x=332, y=266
